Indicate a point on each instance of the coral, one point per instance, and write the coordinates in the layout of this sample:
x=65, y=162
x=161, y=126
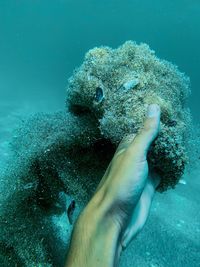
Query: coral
x=131, y=77
x=65, y=154
x=53, y=155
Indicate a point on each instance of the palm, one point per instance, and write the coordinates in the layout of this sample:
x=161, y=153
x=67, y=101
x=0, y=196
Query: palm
x=133, y=193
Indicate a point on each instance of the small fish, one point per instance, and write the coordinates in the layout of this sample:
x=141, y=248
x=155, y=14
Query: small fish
x=130, y=84
x=30, y=185
x=70, y=211
x=99, y=95
x=172, y=123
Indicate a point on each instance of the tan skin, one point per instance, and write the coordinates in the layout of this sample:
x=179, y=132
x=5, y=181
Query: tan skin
x=120, y=205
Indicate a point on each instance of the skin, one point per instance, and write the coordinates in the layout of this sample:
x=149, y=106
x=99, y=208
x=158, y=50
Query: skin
x=120, y=205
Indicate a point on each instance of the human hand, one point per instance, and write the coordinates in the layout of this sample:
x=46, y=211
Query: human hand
x=120, y=205
x=129, y=183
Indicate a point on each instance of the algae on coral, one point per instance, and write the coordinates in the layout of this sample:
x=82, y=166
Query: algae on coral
x=146, y=79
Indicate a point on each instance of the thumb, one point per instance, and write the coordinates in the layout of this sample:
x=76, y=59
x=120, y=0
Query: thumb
x=149, y=132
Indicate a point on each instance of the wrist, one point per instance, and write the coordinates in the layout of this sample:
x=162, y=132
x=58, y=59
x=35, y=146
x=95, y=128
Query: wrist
x=95, y=239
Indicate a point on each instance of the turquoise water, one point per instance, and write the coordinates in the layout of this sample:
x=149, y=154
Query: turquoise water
x=41, y=42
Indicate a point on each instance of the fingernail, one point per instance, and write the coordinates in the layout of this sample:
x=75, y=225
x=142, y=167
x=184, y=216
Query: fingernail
x=153, y=110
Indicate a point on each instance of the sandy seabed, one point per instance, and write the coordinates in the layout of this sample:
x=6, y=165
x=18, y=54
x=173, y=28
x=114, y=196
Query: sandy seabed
x=172, y=233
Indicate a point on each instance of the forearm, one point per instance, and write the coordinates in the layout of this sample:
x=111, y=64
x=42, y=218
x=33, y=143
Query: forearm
x=95, y=239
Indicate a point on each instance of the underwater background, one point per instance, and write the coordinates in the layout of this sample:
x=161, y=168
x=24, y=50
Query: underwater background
x=41, y=42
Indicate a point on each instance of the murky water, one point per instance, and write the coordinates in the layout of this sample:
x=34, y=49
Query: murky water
x=41, y=42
